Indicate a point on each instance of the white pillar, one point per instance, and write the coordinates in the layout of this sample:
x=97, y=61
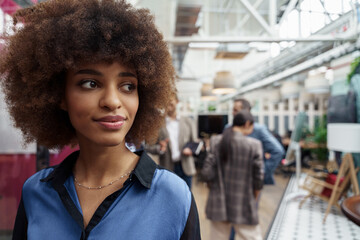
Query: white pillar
x=261, y=111
x=271, y=115
x=291, y=113
x=281, y=119
x=311, y=114
x=301, y=105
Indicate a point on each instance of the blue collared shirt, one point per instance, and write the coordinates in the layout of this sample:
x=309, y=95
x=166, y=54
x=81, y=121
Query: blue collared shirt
x=153, y=204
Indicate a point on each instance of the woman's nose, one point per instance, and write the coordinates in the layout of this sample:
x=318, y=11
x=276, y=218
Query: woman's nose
x=110, y=98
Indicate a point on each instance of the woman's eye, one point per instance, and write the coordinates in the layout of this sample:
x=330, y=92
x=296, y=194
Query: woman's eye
x=128, y=87
x=90, y=84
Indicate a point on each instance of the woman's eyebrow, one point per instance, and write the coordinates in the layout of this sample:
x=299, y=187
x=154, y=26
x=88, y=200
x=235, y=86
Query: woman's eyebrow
x=89, y=71
x=127, y=74
x=97, y=73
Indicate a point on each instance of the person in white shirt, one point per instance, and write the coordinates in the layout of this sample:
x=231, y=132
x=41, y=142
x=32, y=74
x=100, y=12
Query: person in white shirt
x=173, y=136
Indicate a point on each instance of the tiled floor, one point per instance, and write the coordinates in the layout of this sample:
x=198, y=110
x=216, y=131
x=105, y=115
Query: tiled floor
x=307, y=223
x=290, y=222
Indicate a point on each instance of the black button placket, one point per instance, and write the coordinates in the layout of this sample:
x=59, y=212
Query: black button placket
x=99, y=213
x=70, y=206
x=104, y=207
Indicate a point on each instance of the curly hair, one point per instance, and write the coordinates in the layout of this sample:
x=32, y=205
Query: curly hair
x=59, y=34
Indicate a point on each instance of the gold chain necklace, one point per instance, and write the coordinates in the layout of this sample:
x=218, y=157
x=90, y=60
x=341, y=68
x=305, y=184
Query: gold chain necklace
x=103, y=186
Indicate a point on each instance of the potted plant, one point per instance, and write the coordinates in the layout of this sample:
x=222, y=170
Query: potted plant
x=319, y=137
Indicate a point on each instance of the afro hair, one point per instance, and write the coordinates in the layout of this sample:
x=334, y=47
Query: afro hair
x=54, y=37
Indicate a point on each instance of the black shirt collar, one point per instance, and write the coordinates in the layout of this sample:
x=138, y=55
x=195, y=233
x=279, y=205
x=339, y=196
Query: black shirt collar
x=144, y=170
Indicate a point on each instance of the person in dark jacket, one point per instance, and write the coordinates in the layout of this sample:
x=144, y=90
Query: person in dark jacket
x=234, y=171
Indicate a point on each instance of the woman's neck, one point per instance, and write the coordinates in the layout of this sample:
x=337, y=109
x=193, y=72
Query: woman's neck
x=100, y=165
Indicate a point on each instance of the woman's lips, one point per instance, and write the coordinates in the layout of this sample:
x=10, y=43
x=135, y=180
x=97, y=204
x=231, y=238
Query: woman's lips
x=111, y=122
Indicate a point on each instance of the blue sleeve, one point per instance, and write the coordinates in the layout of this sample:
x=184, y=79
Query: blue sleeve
x=270, y=144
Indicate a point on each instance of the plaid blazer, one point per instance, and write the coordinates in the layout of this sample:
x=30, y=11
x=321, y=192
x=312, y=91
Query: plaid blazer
x=232, y=184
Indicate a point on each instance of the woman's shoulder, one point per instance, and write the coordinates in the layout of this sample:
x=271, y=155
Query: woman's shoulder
x=34, y=181
x=171, y=186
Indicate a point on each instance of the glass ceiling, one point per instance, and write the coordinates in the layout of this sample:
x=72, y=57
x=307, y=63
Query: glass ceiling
x=312, y=15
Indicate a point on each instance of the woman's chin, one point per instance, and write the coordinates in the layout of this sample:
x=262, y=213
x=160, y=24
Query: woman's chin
x=108, y=142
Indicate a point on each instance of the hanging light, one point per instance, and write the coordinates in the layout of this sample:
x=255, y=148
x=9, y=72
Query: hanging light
x=290, y=89
x=224, y=83
x=316, y=82
x=271, y=95
x=206, y=92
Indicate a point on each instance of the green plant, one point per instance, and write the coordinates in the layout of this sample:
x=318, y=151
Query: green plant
x=353, y=66
x=211, y=108
x=319, y=136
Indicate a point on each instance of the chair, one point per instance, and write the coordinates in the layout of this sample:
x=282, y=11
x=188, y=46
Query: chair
x=316, y=186
x=344, y=138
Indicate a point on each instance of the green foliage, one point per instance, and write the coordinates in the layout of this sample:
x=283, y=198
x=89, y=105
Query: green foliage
x=319, y=136
x=320, y=132
x=353, y=67
x=211, y=108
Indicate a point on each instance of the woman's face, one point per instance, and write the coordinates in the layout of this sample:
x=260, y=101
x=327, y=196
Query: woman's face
x=102, y=101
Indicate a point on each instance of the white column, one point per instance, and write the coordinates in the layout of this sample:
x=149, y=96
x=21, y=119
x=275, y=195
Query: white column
x=311, y=114
x=281, y=119
x=291, y=114
x=271, y=115
x=301, y=105
x=261, y=111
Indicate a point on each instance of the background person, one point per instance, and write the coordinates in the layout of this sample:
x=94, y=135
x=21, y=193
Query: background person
x=272, y=149
x=173, y=136
x=234, y=170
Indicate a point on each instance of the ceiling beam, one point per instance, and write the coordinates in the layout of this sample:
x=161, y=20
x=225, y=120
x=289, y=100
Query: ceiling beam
x=304, y=66
x=247, y=16
x=243, y=39
x=288, y=9
x=257, y=16
x=272, y=13
x=326, y=11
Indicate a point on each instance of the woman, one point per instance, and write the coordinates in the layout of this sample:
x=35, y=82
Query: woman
x=234, y=170
x=94, y=73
